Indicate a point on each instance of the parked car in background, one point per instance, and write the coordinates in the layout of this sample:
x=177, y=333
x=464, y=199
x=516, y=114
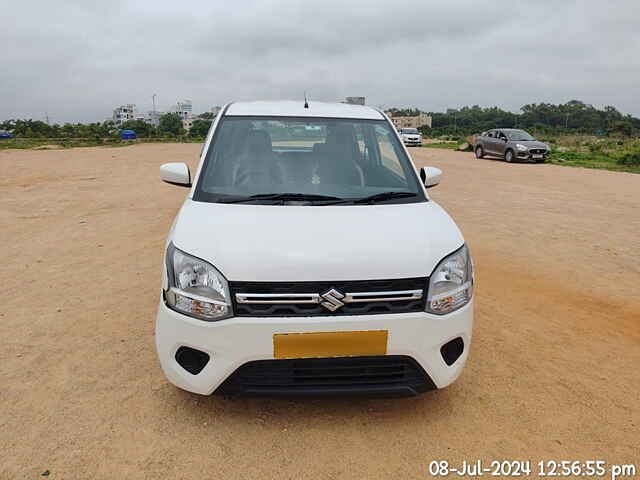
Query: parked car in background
x=308, y=267
x=5, y=134
x=511, y=144
x=410, y=136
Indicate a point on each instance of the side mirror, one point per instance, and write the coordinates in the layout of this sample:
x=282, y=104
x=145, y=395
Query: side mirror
x=430, y=176
x=504, y=139
x=176, y=174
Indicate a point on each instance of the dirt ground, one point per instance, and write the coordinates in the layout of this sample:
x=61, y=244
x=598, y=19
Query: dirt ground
x=554, y=371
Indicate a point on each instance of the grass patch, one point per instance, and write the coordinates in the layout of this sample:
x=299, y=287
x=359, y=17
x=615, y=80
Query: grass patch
x=447, y=145
x=623, y=162
x=54, y=143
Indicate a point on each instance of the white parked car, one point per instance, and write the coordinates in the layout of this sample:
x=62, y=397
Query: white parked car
x=411, y=137
x=308, y=261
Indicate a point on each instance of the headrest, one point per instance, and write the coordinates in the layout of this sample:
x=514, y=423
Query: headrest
x=341, y=137
x=259, y=141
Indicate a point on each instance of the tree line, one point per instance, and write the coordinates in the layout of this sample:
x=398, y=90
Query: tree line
x=543, y=118
x=170, y=125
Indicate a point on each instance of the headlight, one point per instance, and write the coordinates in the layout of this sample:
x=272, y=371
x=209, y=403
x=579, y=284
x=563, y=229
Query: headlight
x=521, y=147
x=196, y=288
x=451, y=284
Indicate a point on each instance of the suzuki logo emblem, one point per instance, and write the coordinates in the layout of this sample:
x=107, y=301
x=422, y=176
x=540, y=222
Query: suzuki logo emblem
x=332, y=300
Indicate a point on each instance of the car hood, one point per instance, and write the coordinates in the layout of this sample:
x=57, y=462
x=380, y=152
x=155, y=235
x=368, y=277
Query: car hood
x=317, y=243
x=531, y=143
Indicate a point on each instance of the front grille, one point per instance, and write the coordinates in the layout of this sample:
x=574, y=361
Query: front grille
x=537, y=150
x=297, y=309
x=391, y=374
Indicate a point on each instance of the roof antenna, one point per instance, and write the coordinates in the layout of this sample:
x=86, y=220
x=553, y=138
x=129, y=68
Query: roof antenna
x=306, y=102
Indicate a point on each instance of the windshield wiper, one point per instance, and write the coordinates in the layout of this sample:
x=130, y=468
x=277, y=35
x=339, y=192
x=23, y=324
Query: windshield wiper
x=282, y=196
x=380, y=197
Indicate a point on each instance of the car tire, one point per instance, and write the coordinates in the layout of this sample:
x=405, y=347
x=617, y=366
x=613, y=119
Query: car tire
x=479, y=152
x=508, y=156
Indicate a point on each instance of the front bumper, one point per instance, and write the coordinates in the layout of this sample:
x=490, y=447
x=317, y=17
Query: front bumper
x=237, y=341
x=413, y=143
x=532, y=157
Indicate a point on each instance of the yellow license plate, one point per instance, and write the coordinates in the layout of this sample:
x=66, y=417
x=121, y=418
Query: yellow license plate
x=330, y=344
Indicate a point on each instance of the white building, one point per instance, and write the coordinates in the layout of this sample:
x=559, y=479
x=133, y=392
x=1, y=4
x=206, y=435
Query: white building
x=129, y=111
x=124, y=113
x=153, y=118
x=187, y=123
x=417, y=121
x=184, y=108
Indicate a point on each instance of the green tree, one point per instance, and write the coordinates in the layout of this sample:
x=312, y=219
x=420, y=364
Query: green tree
x=404, y=112
x=68, y=130
x=572, y=117
x=171, y=124
x=142, y=128
x=199, y=128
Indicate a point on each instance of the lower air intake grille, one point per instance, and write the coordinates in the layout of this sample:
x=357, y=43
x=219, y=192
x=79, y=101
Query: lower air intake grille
x=389, y=374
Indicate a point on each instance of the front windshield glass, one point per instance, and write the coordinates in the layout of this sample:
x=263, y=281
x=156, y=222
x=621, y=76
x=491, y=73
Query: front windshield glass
x=519, y=135
x=341, y=159
x=409, y=130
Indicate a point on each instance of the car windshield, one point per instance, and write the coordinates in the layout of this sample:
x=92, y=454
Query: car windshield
x=270, y=160
x=519, y=135
x=409, y=130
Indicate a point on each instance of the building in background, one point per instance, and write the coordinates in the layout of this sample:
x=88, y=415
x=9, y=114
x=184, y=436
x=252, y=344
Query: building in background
x=153, y=118
x=127, y=112
x=124, y=113
x=215, y=110
x=417, y=121
x=184, y=108
x=354, y=100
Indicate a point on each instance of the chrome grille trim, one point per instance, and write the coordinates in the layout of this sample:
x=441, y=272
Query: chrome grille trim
x=276, y=298
x=307, y=298
x=396, y=296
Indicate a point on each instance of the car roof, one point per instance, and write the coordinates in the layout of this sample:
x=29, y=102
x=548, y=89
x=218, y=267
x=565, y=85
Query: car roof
x=290, y=108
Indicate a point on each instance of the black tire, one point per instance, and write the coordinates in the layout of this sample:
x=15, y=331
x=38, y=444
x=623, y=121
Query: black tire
x=509, y=156
x=479, y=152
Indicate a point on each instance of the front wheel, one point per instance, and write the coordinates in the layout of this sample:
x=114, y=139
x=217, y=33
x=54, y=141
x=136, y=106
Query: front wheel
x=479, y=152
x=508, y=156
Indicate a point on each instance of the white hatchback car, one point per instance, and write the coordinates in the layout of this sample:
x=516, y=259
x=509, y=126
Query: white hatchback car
x=308, y=259
x=411, y=137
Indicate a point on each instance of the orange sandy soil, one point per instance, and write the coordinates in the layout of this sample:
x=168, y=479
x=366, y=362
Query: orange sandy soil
x=554, y=370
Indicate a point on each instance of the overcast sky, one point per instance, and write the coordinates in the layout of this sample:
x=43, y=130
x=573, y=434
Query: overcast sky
x=78, y=59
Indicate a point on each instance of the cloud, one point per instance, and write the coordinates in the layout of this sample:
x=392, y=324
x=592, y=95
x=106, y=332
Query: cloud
x=79, y=59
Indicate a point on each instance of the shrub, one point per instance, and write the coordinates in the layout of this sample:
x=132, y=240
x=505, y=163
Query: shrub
x=595, y=147
x=630, y=159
